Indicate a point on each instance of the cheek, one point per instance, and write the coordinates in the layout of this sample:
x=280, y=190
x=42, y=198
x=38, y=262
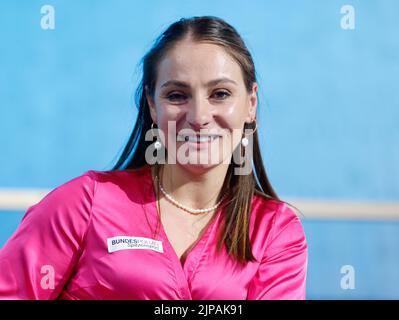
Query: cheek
x=234, y=115
x=167, y=109
x=168, y=121
x=167, y=113
x=234, y=120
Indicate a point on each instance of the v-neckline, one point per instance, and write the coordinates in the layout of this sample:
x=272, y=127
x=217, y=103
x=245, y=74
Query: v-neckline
x=194, y=254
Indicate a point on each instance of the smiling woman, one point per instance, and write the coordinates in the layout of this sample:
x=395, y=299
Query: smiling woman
x=173, y=230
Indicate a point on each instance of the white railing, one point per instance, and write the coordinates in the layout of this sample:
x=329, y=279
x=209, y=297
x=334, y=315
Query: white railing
x=20, y=199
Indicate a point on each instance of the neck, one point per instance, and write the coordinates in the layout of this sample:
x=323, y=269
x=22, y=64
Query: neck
x=193, y=189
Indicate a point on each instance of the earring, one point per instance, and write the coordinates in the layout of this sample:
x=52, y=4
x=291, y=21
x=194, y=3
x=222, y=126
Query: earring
x=157, y=144
x=244, y=140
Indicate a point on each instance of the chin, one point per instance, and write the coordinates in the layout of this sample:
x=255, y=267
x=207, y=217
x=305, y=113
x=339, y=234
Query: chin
x=198, y=168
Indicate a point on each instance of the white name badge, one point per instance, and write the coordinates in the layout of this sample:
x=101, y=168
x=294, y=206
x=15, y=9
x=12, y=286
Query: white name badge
x=124, y=243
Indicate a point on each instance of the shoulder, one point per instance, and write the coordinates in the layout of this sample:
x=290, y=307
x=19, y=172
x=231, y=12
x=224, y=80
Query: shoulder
x=64, y=211
x=93, y=185
x=119, y=176
x=76, y=188
x=275, y=219
x=278, y=212
x=69, y=200
x=118, y=184
x=275, y=211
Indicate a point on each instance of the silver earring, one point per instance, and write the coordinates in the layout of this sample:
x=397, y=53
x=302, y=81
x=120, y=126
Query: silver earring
x=157, y=144
x=244, y=140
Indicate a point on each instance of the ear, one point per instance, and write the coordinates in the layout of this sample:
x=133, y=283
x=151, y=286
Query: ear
x=252, y=104
x=151, y=105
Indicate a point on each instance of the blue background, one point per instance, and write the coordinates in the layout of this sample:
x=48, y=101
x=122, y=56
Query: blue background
x=328, y=113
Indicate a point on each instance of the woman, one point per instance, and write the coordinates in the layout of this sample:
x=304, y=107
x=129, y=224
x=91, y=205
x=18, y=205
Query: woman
x=158, y=226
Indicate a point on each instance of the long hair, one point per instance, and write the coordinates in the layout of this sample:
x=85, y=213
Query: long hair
x=240, y=189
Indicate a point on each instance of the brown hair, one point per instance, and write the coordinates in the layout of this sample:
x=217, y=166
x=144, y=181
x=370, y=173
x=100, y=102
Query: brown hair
x=240, y=188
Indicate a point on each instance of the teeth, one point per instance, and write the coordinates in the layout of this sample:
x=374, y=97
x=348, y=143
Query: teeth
x=197, y=139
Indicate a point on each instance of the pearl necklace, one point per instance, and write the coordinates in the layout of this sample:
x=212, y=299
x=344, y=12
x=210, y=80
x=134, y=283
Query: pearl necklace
x=181, y=206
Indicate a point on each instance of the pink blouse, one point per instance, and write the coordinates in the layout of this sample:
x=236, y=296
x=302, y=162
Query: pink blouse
x=94, y=238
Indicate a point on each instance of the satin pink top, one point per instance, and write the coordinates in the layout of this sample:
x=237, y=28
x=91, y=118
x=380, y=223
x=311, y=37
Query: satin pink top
x=65, y=248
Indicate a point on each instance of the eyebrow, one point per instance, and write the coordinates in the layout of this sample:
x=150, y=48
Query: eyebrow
x=183, y=84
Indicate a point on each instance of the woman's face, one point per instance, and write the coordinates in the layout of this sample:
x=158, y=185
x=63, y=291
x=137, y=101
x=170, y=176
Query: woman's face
x=200, y=90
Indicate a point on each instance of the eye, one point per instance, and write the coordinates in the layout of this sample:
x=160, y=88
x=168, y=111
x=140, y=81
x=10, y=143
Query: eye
x=221, y=94
x=176, y=97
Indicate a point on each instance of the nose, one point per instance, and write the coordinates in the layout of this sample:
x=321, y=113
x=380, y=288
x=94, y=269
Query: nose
x=199, y=113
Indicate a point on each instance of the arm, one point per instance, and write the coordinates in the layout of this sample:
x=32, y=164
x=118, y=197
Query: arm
x=282, y=270
x=38, y=259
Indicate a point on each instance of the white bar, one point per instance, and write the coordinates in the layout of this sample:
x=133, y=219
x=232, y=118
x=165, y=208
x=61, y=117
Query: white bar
x=338, y=209
x=21, y=199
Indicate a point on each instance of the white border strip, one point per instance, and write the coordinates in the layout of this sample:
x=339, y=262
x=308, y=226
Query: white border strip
x=338, y=209
x=20, y=199
x=12, y=200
